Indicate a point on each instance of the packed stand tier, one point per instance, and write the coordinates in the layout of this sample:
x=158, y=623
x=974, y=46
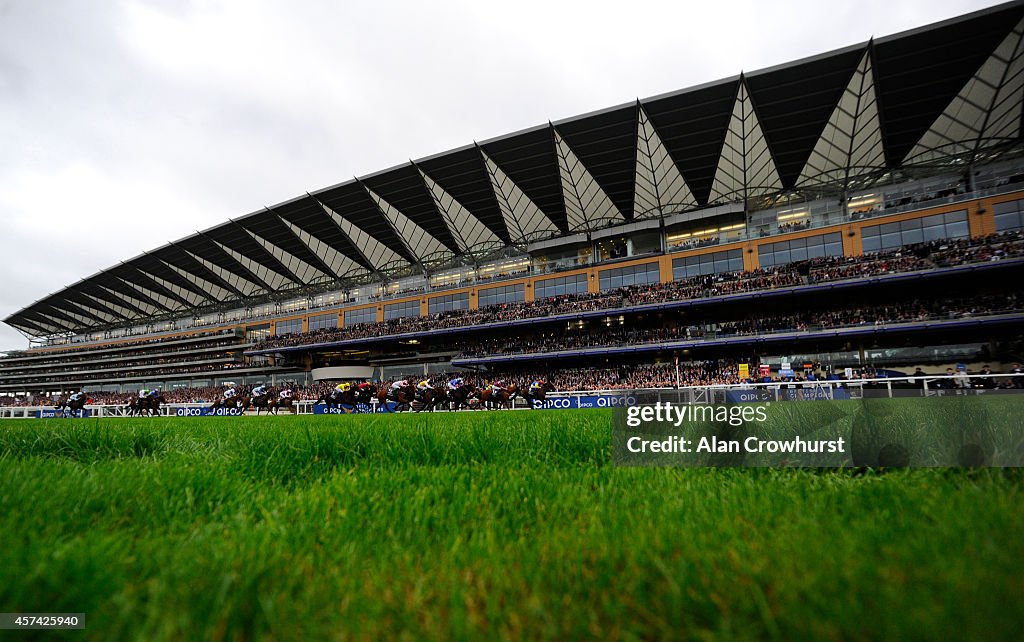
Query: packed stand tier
x=859, y=316
x=922, y=256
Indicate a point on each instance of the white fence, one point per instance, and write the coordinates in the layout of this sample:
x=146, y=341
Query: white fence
x=927, y=386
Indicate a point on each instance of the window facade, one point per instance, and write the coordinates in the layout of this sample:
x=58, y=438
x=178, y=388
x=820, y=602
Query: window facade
x=1009, y=216
x=402, y=310
x=360, y=315
x=322, y=321
x=257, y=333
x=810, y=247
x=953, y=225
x=632, y=275
x=288, y=326
x=503, y=294
x=448, y=303
x=576, y=284
x=712, y=263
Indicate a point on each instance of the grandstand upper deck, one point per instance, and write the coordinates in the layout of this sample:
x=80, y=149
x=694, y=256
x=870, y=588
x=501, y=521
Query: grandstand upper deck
x=977, y=217
x=70, y=351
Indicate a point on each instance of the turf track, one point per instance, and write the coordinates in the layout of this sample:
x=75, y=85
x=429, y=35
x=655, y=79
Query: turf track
x=483, y=525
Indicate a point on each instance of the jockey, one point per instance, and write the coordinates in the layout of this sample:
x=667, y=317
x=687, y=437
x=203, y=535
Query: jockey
x=364, y=388
x=143, y=393
x=424, y=386
x=497, y=385
x=154, y=393
x=455, y=383
x=230, y=393
x=286, y=393
x=342, y=387
x=77, y=395
x=537, y=385
x=259, y=391
x=398, y=385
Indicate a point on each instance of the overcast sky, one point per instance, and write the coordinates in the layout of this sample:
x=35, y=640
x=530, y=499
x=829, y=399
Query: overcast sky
x=124, y=125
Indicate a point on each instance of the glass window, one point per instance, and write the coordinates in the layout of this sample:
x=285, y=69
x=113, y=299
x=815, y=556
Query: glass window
x=402, y=310
x=915, y=235
x=958, y=230
x=627, y=276
x=809, y=247
x=952, y=225
x=360, y=315
x=288, y=326
x=560, y=286
x=1009, y=216
x=322, y=321
x=930, y=233
x=710, y=263
x=500, y=295
x=1009, y=221
x=448, y=303
x=255, y=334
x=892, y=240
x=955, y=217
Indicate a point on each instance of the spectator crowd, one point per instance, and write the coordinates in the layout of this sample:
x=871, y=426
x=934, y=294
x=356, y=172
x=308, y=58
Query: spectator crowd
x=946, y=253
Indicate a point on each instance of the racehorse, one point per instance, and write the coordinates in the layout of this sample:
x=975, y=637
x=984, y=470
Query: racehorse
x=431, y=399
x=402, y=397
x=364, y=398
x=501, y=399
x=69, y=407
x=464, y=395
x=264, y=402
x=239, y=402
x=143, y=405
x=283, y=402
x=273, y=404
x=332, y=398
x=539, y=394
x=136, y=406
x=150, y=405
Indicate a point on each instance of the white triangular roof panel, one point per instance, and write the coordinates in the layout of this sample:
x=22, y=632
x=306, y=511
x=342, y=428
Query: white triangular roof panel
x=340, y=264
x=378, y=254
x=851, y=142
x=746, y=167
x=659, y=188
x=148, y=308
x=524, y=221
x=465, y=228
x=587, y=206
x=270, y=280
x=305, y=272
x=986, y=111
x=192, y=298
x=420, y=242
x=163, y=300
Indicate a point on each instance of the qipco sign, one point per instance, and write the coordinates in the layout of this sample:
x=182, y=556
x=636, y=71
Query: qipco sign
x=205, y=412
x=586, y=401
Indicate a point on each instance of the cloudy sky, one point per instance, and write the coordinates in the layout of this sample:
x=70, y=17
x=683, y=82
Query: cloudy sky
x=126, y=124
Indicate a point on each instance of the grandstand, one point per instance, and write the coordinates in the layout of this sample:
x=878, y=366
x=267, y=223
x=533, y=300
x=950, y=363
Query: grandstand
x=860, y=209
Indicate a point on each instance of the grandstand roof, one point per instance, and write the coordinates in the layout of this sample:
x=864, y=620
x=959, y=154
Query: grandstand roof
x=946, y=95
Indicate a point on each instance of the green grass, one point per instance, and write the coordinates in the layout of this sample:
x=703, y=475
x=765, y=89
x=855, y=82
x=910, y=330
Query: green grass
x=496, y=525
